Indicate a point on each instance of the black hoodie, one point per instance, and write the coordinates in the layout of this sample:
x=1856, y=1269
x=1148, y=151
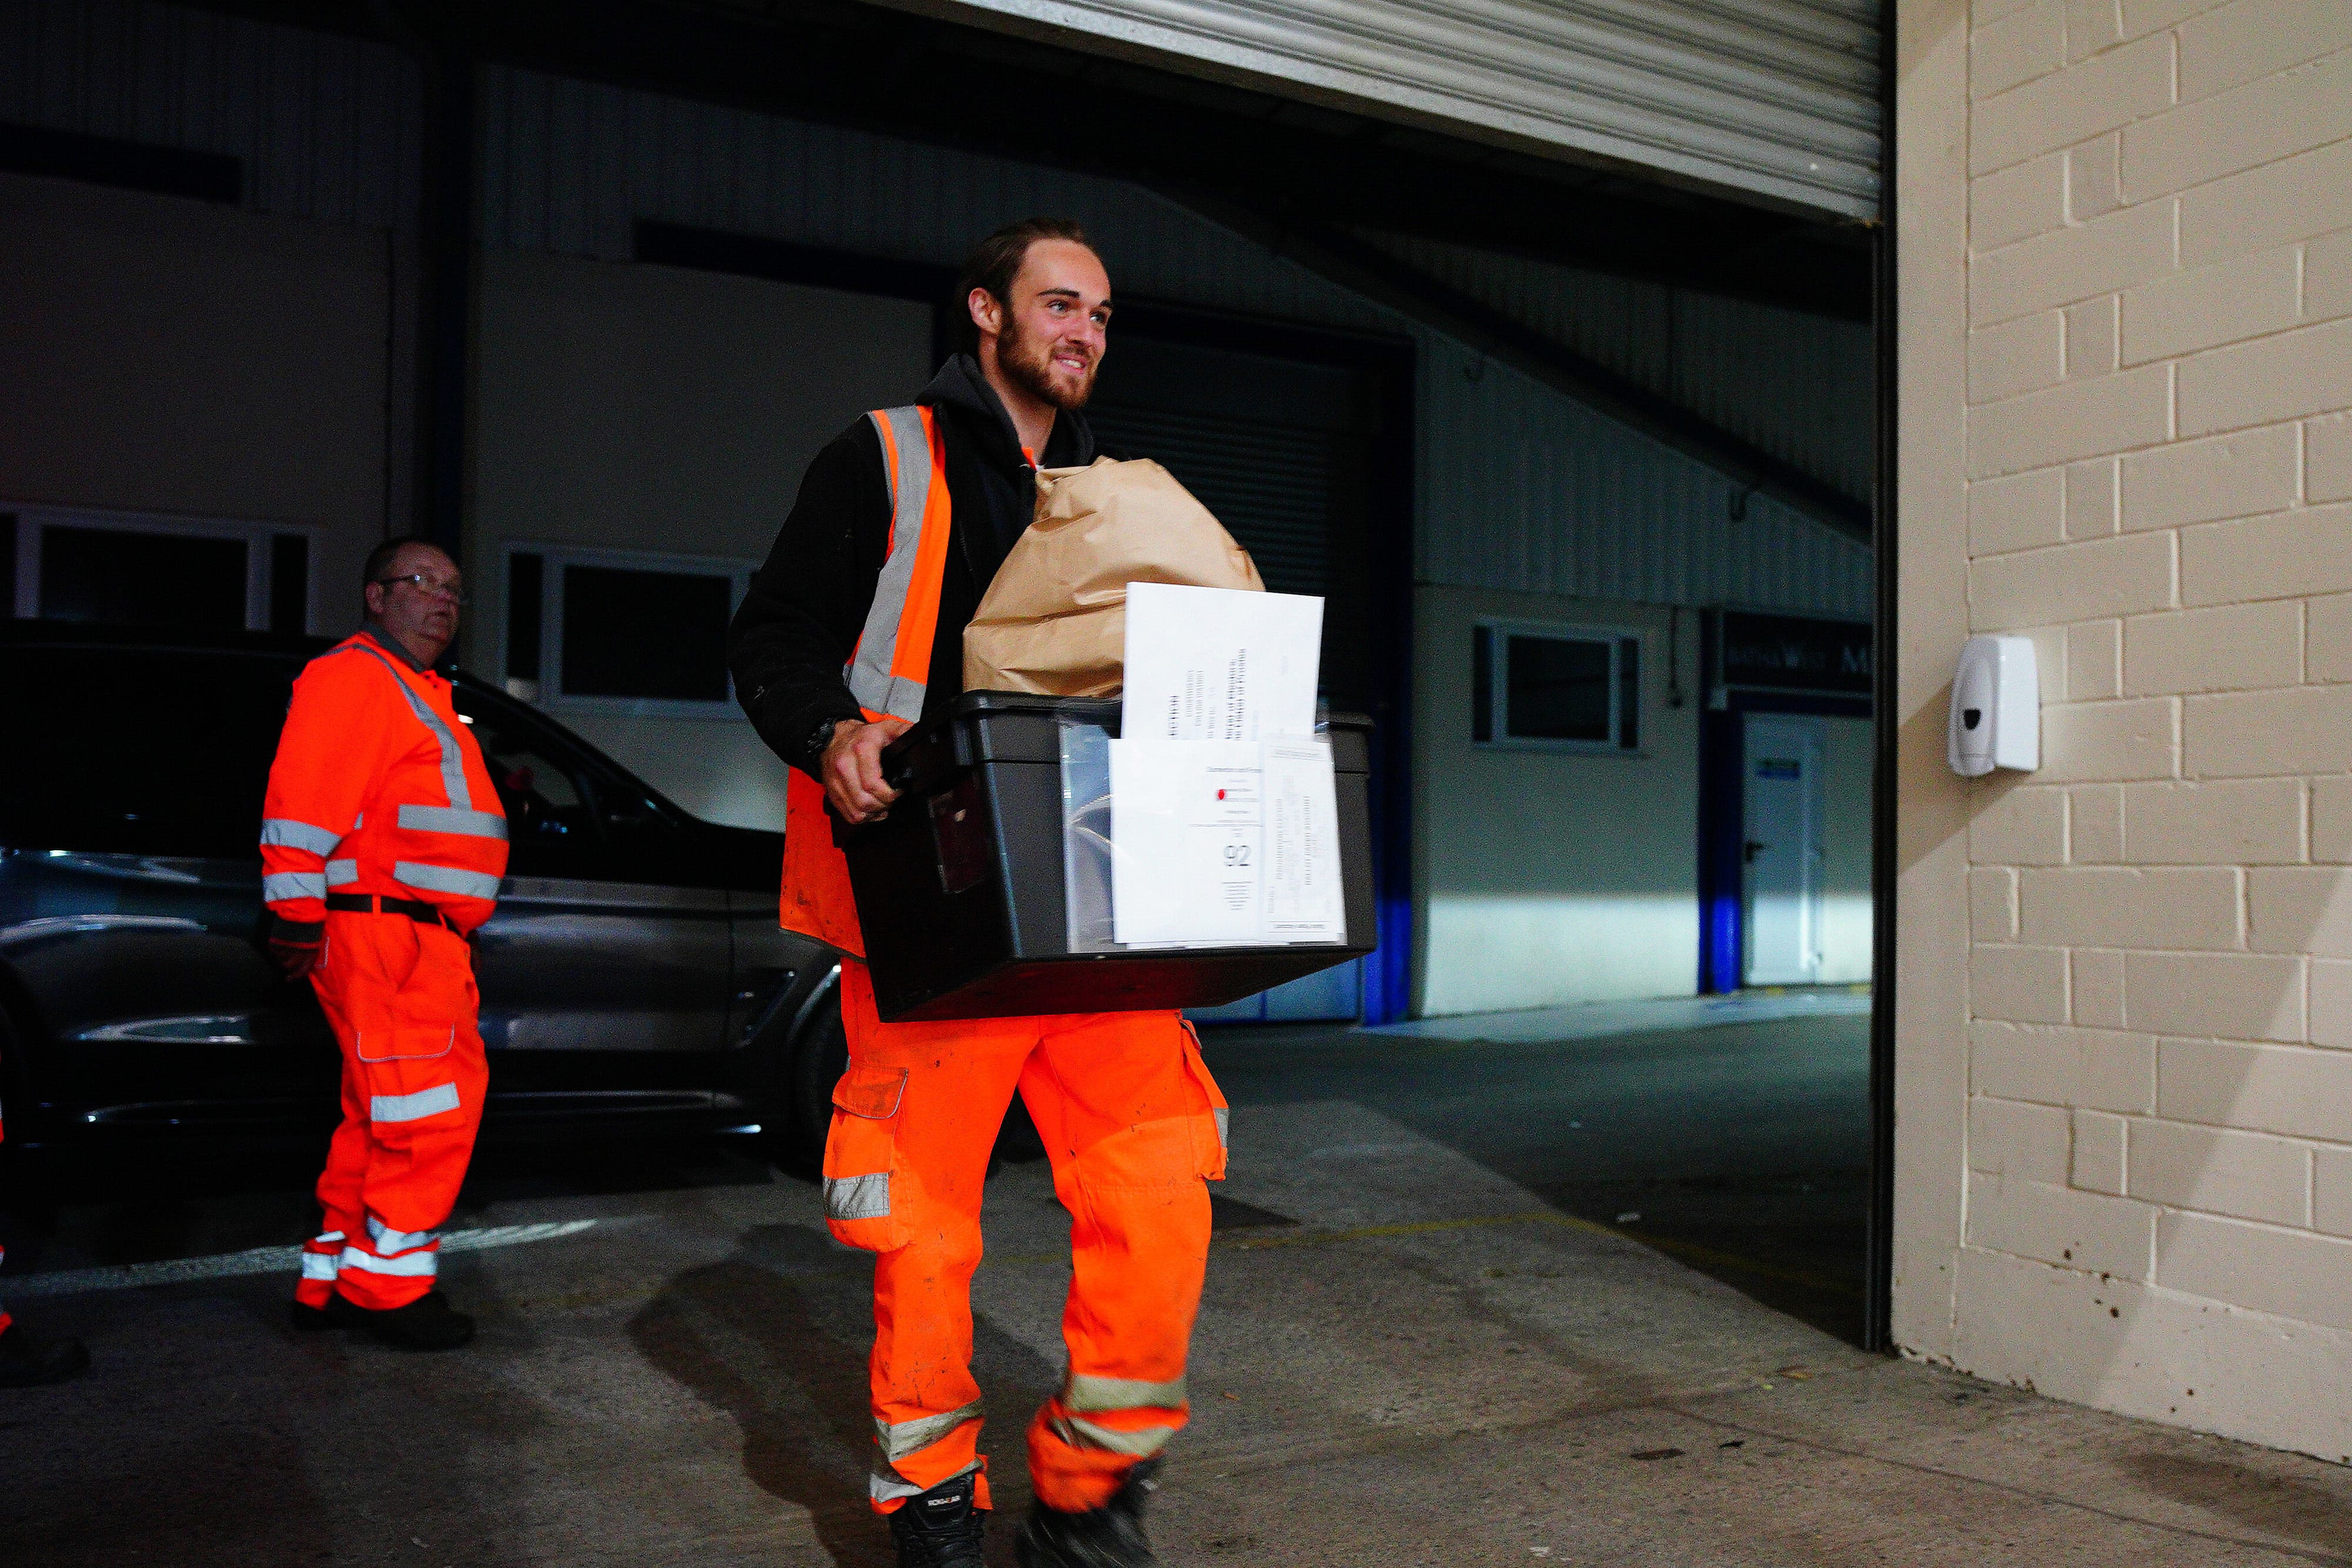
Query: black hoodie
x=800, y=622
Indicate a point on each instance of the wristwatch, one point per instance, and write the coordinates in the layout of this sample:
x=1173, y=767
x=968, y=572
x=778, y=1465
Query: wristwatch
x=821, y=736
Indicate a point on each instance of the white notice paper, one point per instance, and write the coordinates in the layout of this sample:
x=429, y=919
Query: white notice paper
x=1223, y=841
x=1186, y=830
x=1303, y=902
x=1219, y=664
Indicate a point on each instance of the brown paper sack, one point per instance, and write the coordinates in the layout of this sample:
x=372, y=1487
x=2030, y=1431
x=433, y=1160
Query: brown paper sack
x=1054, y=620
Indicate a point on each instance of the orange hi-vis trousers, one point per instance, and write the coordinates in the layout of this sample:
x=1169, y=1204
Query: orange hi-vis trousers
x=401, y=999
x=1135, y=1128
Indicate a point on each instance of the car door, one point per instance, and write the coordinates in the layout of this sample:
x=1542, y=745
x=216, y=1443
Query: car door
x=604, y=976
x=130, y=892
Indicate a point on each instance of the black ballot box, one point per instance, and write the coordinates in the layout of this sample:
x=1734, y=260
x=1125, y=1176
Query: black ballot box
x=968, y=888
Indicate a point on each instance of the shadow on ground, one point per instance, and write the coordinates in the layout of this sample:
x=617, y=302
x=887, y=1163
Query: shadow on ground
x=777, y=1336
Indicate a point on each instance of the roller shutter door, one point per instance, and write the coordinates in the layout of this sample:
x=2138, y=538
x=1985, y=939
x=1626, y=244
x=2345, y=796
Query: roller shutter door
x=1270, y=485
x=1775, y=99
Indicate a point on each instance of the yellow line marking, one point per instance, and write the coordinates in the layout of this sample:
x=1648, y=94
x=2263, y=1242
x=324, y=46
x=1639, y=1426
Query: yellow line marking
x=1410, y=1227
x=1688, y=1251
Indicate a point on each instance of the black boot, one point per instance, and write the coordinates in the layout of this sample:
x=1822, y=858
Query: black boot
x=1110, y=1536
x=25, y=1360
x=337, y=1313
x=941, y=1528
x=429, y=1322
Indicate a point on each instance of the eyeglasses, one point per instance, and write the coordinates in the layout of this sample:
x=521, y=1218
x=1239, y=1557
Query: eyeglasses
x=431, y=587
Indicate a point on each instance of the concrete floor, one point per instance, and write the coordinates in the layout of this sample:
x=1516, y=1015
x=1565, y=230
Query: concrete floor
x=1410, y=1353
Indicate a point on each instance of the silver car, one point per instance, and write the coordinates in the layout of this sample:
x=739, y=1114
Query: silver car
x=632, y=981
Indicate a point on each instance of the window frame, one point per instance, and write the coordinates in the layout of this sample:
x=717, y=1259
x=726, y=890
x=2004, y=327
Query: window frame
x=1500, y=630
x=549, y=693
x=34, y=519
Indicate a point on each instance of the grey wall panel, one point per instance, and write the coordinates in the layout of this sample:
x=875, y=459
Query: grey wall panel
x=184, y=357
x=326, y=125
x=1799, y=386
x=1522, y=489
x=569, y=167
x=1795, y=384
x=1519, y=487
x=1776, y=99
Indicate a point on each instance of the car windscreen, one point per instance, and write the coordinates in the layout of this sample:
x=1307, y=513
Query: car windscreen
x=142, y=751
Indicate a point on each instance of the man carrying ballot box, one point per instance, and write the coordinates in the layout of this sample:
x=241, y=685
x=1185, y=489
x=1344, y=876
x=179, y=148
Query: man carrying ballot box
x=851, y=633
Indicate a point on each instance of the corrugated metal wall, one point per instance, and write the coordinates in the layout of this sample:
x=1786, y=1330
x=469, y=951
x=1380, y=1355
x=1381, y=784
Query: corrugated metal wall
x=569, y=167
x=1524, y=489
x=1796, y=384
x=326, y=125
x=1519, y=487
x=1778, y=98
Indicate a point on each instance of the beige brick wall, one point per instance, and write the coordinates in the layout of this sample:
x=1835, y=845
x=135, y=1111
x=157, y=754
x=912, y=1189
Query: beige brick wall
x=2125, y=231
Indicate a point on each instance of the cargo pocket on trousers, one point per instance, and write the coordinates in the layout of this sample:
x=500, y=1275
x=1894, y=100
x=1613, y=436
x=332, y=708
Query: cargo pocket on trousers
x=861, y=1158
x=411, y=1088
x=1209, y=1117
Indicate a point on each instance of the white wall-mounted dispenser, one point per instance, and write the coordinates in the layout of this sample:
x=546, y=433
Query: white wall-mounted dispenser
x=1996, y=719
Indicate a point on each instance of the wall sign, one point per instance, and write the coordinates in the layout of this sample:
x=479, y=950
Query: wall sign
x=1789, y=654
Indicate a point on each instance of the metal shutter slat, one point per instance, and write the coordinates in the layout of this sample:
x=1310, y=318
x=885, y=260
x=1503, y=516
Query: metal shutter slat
x=1270, y=485
x=1775, y=97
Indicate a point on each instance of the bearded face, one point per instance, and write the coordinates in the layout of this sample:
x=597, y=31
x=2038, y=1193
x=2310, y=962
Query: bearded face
x=1055, y=368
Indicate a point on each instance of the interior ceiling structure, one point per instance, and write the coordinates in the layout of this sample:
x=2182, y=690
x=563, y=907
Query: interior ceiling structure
x=1289, y=162
x=1304, y=180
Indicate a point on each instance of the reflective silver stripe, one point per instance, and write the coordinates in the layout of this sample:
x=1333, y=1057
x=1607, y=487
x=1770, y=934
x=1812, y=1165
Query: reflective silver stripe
x=883, y=1486
x=907, y=1438
x=1085, y=1394
x=1080, y=1433
x=858, y=1196
x=451, y=820
x=318, y=1265
x=343, y=874
x=410, y=1265
x=413, y=1107
x=1224, y=1116
x=453, y=762
x=288, y=833
x=326, y=1236
x=386, y=1240
x=869, y=673
x=445, y=879
x=279, y=885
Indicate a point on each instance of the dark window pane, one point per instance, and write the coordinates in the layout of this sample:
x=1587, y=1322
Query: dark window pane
x=523, y=577
x=1629, y=693
x=551, y=822
x=7, y=564
x=289, y=584
x=1558, y=689
x=163, y=752
x=658, y=634
x=128, y=579
x=1481, y=683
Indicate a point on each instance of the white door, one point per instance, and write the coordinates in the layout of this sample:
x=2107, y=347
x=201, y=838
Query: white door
x=1782, y=813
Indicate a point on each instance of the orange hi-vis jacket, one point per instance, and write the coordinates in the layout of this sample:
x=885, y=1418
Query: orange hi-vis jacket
x=379, y=787
x=885, y=672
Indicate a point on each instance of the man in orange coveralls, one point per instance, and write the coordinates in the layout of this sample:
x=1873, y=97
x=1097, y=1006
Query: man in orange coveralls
x=853, y=630
x=382, y=846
